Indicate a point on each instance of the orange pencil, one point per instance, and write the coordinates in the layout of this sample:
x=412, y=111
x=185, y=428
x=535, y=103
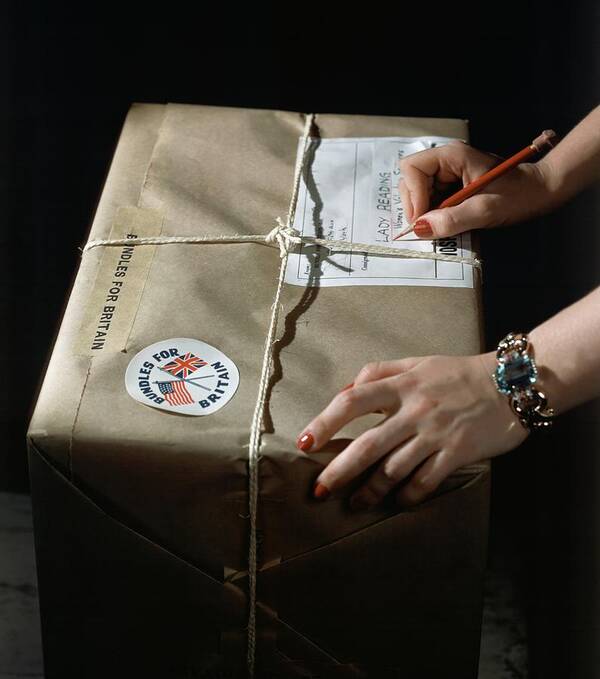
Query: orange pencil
x=537, y=145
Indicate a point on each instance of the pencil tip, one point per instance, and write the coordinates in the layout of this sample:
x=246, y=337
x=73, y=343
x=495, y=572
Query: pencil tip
x=404, y=233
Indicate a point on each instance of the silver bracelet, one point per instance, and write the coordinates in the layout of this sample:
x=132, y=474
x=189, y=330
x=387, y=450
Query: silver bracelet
x=515, y=375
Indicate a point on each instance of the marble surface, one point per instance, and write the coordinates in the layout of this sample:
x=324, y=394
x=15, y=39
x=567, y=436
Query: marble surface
x=503, y=650
x=503, y=634
x=20, y=639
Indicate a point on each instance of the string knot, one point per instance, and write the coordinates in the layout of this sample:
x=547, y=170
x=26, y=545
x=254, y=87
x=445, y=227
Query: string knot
x=285, y=236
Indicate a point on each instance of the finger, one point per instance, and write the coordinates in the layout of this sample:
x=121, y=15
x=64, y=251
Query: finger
x=450, y=163
x=346, y=406
x=465, y=162
x=426, y=479
x=393, y=469
x=436, y=162
x=419, y=185
x=378, y=370
x=477, y=212
x=364, y=451
x=441, y=166
x=406, y=202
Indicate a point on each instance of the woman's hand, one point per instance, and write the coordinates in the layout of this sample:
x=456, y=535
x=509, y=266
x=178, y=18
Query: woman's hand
x=518, y=195
x=441, y=413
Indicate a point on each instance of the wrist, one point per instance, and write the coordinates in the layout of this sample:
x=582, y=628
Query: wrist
x=550, y=180
x=555, y=389
x=486, y=364
x=504, y=415
x=516, y=376
x=532, y=193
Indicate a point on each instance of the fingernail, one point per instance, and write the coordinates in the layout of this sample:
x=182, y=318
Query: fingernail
x=423, y=228
x=305, y=441
x=321, y=492
x=359, y=502
x=348, y=386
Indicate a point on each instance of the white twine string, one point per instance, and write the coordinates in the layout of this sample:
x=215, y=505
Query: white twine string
x=287, y=239
x=284, y=242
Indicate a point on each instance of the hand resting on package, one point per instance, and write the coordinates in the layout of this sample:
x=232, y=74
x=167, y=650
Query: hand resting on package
x=443, y=412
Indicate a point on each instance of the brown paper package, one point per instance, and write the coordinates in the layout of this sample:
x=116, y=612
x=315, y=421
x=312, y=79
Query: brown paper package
x=141, y=516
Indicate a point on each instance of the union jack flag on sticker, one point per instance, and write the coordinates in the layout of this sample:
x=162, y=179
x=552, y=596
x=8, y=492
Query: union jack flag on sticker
x=171, y=376
x=175, y=393
x=185, y=365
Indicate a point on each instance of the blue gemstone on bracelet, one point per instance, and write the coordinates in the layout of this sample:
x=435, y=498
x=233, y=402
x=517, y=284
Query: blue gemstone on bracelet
x=515, y=371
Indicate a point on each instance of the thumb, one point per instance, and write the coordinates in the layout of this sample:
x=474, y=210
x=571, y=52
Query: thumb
x=475, y=213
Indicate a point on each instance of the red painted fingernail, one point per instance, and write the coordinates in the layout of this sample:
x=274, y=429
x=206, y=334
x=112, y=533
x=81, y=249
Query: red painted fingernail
x=423, y=228
x=321, y=492
x=348, y=386
x=305, y=441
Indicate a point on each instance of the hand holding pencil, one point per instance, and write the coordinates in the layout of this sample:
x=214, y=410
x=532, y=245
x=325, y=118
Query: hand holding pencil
x=430, y=402
x=493, y=192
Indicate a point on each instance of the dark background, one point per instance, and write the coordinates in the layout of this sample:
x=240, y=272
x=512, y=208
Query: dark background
x=512, y=71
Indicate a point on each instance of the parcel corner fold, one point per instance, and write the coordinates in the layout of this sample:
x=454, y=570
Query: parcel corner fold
x=181, y=482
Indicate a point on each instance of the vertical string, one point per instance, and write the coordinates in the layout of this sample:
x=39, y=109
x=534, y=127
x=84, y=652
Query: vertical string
x=257, y=419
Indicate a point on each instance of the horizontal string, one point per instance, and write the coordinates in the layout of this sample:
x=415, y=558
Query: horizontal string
x=293, y=240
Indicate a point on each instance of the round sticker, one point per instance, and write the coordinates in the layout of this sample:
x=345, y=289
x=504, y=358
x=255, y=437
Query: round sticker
x=182, y=376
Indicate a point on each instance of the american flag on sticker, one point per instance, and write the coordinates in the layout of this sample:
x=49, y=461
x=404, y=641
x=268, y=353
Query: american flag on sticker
x=185, y=365
x=175, y=393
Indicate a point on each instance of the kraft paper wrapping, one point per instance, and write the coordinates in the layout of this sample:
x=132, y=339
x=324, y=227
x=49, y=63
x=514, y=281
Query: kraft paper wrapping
x=340, y=593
